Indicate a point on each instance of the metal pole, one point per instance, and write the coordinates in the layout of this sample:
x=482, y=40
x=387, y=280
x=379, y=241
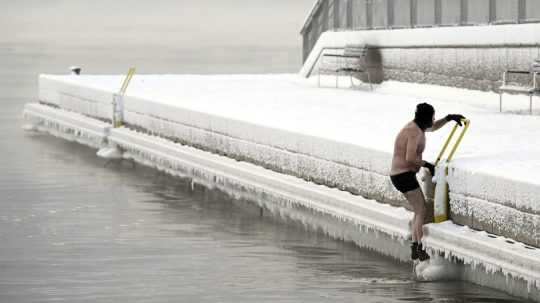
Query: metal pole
x=367, y=11
x=349, y=14
x=522, y=11
x=446, y=144
x=464, y=10
x=414, y=17
x=492, y=11
x=390, y=13
x=466, y=123
x=438, y=12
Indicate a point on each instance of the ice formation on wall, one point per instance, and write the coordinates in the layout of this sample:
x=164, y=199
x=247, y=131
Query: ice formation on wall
x=67, y=125
x=331, y=142
x=369, y=224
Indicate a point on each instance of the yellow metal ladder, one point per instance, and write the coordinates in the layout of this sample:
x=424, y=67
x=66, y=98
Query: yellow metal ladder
x=118, y=100
x=441, y=204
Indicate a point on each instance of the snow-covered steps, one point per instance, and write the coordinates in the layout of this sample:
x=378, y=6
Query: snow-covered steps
x=65, y=124
x=517, y=262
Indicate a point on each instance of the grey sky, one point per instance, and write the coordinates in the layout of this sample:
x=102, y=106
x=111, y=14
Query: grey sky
x=193, y=22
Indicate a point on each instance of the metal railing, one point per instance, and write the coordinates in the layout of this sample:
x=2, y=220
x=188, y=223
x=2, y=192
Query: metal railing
x=320, y=54
x=392, y=14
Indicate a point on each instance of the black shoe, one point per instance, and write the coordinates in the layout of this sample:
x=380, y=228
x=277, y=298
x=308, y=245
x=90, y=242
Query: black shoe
x=414, y=251
x=422, y=254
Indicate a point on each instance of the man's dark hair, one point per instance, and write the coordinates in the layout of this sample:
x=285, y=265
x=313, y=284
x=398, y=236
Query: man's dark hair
x=423, y=117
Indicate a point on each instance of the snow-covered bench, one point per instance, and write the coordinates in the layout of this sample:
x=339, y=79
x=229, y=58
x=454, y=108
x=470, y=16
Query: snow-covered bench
x=533, y=88
x=352, y=61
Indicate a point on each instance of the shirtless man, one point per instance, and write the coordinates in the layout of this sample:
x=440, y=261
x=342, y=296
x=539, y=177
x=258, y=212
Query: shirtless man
x=407, y=161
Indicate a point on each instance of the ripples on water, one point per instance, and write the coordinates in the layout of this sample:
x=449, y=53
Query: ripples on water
x=73, y=229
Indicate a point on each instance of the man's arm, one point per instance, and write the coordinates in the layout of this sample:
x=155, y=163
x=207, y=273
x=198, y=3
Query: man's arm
x=441, y=122
x=437, y=124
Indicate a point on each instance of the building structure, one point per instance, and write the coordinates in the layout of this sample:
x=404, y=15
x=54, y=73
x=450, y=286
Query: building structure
x=471, y=65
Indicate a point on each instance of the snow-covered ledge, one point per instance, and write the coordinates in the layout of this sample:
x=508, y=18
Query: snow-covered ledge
x=327, y=136
x=358, y=169
x=455, y=56
x=66, y=125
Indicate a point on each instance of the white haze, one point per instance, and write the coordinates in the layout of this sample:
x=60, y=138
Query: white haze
x=191, y=22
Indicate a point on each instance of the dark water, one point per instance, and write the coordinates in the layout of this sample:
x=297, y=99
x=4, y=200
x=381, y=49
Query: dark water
x=75, y=230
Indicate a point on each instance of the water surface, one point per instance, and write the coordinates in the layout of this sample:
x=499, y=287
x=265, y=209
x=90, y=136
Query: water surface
x=74, y=229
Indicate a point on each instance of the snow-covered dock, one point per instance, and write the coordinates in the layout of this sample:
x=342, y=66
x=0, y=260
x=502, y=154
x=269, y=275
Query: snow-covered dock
x=337, y=138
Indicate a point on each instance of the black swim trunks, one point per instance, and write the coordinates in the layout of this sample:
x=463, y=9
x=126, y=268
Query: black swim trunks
x=405, y=182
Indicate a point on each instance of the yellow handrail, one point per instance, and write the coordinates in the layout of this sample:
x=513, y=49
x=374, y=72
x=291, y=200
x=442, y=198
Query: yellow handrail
x=466, y=123
x=126, y=81
x=446, y=144
x=441, y=207
x=118, y=100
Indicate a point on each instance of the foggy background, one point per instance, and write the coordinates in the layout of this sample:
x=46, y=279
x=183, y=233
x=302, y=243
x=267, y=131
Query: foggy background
x=256, y=32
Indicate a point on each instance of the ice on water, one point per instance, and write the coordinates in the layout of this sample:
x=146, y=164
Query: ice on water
x=436, y=269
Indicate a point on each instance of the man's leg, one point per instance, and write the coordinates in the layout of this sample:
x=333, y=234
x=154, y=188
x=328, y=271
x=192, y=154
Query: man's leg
x=417, y=201
x=414, y=235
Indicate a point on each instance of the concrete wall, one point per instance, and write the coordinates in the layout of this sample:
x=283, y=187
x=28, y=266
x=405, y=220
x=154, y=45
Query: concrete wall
x=478, y=68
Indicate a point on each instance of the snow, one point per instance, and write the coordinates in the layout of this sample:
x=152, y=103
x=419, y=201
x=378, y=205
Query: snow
x=110, y=153
x=350, y=127
x=437, y=269
x=493, y=253
x=338, y=137
x=440, y=198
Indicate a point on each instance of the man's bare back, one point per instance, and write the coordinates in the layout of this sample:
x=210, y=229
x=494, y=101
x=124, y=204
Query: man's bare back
x=408, y=148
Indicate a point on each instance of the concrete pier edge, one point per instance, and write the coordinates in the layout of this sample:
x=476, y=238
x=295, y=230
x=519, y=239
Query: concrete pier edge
x=492, y=264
